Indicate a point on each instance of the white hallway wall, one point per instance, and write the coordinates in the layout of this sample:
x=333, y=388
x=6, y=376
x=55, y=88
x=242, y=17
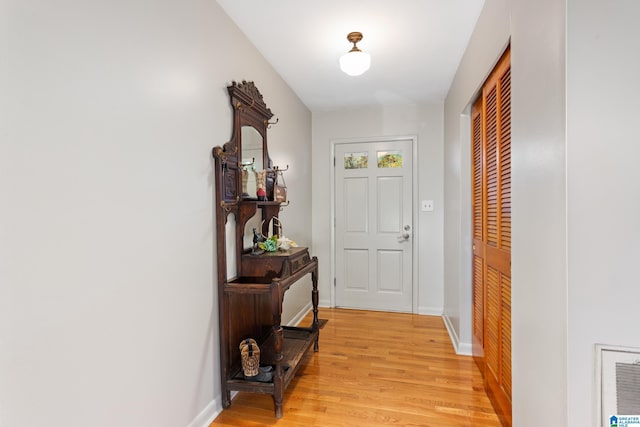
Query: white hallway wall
x=425, y=122
x=603, y=149
x=539, y=303
x=107, y=262
x=489, y=39
x=572, y=263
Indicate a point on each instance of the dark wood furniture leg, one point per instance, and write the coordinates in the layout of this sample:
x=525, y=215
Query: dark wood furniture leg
x=314, y=301
x=278, y=379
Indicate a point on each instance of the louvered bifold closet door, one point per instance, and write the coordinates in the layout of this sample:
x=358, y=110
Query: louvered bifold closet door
x=491, y=212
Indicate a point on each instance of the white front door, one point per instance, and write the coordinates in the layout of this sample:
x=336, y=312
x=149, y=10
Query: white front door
x=374, y=225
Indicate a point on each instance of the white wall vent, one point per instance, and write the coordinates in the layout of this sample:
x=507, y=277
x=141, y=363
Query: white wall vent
x=618, y=386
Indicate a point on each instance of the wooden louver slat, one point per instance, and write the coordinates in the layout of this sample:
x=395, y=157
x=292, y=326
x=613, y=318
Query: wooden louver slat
x=492, y=167
x=477, y=175
x=506, y=333
x=478, y=298
x=505, y=160
x=492, y=343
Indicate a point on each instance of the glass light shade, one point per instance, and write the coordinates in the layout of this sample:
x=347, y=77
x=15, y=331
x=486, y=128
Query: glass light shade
x=355, y=62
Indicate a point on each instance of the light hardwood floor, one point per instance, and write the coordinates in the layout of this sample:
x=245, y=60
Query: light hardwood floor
x=375, y=369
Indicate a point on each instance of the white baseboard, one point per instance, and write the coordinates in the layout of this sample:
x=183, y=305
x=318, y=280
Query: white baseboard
x=301, y=314
x=464, y=349
x=461, y=348
x=208, y=414
x=430, y=311
x=325, y=303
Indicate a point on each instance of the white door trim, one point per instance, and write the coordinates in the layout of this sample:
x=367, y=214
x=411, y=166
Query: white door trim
x=414, y=209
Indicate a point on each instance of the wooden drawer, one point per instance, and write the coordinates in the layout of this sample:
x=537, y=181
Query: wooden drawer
x=274, y=264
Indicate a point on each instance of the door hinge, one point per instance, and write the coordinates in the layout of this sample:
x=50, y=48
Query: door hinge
x=334, y=162
x=334, y=282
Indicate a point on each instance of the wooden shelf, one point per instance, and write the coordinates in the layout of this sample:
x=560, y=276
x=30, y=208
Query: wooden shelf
x=297, y=342
x=252, y=308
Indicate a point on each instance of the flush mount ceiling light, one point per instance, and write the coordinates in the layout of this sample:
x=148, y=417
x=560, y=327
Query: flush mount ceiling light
x=355, y=62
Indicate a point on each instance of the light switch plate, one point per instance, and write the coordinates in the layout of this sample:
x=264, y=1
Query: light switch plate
x=427, y=205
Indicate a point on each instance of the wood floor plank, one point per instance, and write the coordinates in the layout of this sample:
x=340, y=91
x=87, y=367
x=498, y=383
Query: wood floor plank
x=375, y=369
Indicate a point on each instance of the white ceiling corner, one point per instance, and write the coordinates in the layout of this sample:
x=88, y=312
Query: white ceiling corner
x=415, y=46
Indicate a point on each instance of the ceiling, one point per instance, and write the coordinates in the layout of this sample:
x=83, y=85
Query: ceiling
x=415, y=46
